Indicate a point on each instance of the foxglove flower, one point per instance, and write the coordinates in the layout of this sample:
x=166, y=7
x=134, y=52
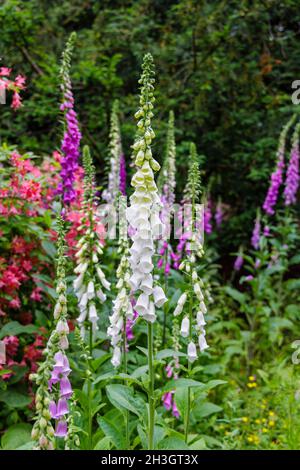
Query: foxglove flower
x=145, y=204
x=255, y=239
x=292, y=174
x=90, y=278
x=122, y=317
x=277, y=176
x=54, y=387
x=117, y=171
x=71, y=139
x=196, y=294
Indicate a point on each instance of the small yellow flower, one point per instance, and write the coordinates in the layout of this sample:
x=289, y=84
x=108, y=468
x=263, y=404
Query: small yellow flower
x=271, y=413
x=251, y=378
x=258, y=421
x=250, y=439
x=251, y=384
x=271, y=423
x=227, y=433
x=245, y=419
x=265, y=430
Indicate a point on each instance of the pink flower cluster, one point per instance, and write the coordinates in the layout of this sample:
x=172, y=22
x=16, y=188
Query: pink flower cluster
x=15, y=86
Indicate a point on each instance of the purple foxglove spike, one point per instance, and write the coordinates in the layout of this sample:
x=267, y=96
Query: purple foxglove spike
x=255, y=239
x=122, y=175
x=292, y=175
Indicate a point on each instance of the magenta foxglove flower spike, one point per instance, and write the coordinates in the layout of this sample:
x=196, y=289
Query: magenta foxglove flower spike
x=277, y=175
x=292, y=174
x=71, y=139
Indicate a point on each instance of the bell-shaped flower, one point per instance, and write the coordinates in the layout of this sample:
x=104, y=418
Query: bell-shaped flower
x=62, y=408
x=65, y=388
x=91, y=290
x=192, y=352
x=150, y=314
x=185, y=327
x=146, y=265
x=61, y=429
x=142, y=305
x=159, y=296
x=92, y=312
x=202, y=342
x=116, y=359
x=101, y=296
x=147, y=284
x=200, y=319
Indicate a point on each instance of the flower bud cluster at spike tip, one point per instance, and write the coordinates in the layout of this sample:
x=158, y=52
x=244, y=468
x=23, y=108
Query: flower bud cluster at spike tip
x=277, y=176
x=255, y=239
x=145, y=204
x=122, y=312
x=194, y=296
x=167, y=184
x=54, y=388
x=292, y=174
x=192, y=192
x=115, y=185
x=71, y=139
x=90, y=279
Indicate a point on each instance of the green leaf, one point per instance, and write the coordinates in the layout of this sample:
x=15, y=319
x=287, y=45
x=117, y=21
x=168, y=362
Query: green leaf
x=103, y=444
x=175, y=384
x=202, y=410
x=49, y=248
x=123, y=397
x=15, y=399
x=15, y=328
x=235, y=294
x=16, y=436
x=173, y=443
x=168, y=353
x=113, y=432
x=198, y=445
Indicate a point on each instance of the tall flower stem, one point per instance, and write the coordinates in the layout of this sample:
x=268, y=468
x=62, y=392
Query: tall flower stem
x=90, y=417
x=151, y=389
x=188, y=407
x=125, y=372
x=165, y=305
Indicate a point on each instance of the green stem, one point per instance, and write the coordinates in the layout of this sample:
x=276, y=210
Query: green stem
x=90, y=418
x=127, y=442
x=165, y=313
x=188, y=408
x=151, y=389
